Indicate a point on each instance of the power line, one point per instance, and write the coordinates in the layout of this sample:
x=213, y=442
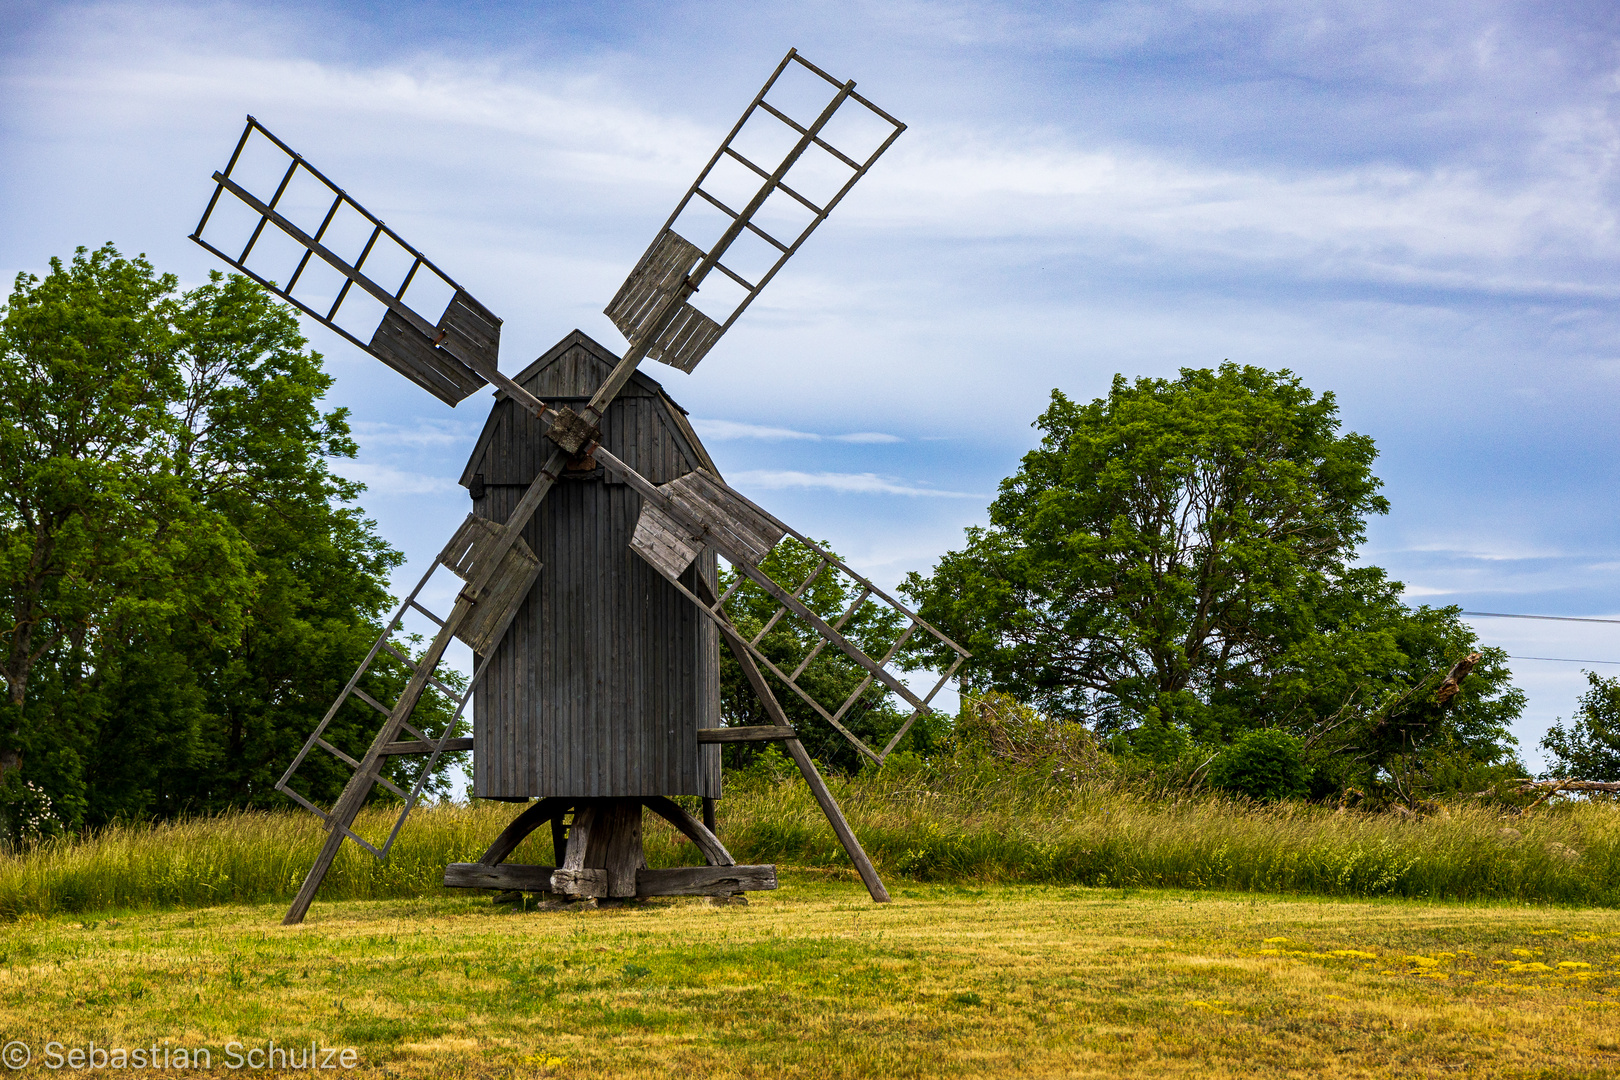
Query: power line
x=1563, y=660
x=1548, y=618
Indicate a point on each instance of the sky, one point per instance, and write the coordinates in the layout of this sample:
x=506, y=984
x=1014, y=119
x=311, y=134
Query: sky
x=1410, y=206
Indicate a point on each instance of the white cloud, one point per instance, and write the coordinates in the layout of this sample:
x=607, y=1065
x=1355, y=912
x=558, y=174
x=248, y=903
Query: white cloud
x=730, y=430
x=844, y=483
x=385, y=480
x=1424, y=590
x=1442, y=225
x=425, y=434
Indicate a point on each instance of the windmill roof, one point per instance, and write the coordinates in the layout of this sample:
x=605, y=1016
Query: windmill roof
x=559, y=375
x=607, y=356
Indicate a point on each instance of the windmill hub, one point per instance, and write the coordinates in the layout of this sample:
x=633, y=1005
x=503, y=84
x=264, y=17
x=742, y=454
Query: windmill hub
x=595, y=684
x=572, y=431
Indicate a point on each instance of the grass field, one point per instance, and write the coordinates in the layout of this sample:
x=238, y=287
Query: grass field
x=814, y=980
x=1038, y=929
x=965, y=827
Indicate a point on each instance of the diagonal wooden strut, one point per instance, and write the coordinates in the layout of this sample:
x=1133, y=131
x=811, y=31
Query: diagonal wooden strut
x=801, y=758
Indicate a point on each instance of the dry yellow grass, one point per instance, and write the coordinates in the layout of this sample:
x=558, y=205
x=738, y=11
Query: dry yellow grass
x=814, y=980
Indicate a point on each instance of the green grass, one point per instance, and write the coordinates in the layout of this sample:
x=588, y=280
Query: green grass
x=964, y=828
x=814, y=980
x=1001, y=828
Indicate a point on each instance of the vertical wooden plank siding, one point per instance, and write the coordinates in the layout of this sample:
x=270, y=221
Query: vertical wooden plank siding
x=606, y=675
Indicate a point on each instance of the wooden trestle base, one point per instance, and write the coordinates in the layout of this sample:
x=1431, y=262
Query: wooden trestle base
x=598, y=851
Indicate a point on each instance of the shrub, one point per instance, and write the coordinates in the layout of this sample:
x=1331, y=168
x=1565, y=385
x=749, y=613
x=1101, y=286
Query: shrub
x=1266, y=765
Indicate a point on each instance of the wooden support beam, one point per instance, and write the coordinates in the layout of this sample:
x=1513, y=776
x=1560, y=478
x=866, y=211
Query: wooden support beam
x=705, y=880
x=807, y=767
x=762, y=733
x=624, y=855
x=846, y=835
x=701, y=834
x=675, y=881
x=525, y=823
x=359, y=786
x=417, y=746
x=470, y=875
x=587, y=881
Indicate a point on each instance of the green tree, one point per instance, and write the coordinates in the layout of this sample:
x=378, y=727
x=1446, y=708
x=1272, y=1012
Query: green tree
x=98, y=536
x=191, y=585
x=1176, y=561
x=1589, y=749
x=830, y=677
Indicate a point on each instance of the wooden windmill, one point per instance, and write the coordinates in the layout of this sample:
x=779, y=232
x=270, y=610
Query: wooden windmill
x=595, y=683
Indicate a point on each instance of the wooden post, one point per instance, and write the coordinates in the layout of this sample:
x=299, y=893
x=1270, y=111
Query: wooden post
x=624, y=855
x=846, y=835
x=807, y=767
x=708, y=813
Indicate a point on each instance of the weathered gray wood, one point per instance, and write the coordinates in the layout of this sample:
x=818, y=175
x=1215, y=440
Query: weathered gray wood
x=417, y=746
x=654, y=289
x=807, y=768
x=835, y=816
x=471, y=330
x=705, y=880
x=591, y=881
x=714, y=852
x=470, y=553
x=360, y=784
x=588, y=881
x=746, y=734
x=714, y=513
x=580, y=835
x=504, y=876
x=624, y=855
x=400, y=313
x=525, y=823
x=600, y=685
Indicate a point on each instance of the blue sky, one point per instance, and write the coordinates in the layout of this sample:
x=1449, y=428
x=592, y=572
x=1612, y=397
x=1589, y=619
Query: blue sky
x=1412, y=206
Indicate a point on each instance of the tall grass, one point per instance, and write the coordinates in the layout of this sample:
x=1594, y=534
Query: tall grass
x=1003, y=828
x=964, y=825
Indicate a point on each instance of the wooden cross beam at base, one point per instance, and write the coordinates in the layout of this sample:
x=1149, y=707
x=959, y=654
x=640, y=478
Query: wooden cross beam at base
x=599, y=854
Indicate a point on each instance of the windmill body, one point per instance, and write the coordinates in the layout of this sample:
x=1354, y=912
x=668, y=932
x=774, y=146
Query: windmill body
x=607, y=673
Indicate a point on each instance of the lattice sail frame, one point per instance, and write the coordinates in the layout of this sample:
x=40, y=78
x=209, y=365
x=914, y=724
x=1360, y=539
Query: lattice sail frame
x=450, y=356
x=679, y=518
x=468, y=550
x=683, y=340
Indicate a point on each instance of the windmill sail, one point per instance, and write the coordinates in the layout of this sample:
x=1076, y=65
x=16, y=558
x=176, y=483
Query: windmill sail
x=680, y=518
x=674, y=267
x=450, y=355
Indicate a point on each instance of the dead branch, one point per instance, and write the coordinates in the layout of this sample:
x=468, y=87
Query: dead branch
x=1554, y=786
x=1454, y=678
